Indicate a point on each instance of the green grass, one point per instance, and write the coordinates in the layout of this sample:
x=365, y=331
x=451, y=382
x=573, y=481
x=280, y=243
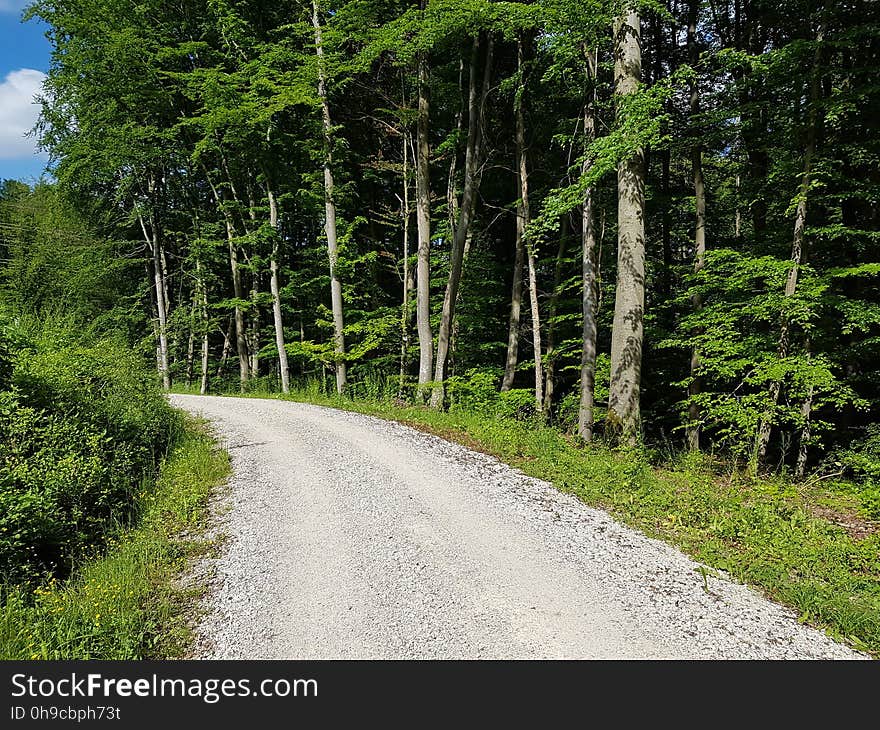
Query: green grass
x=762, y=532
x=126, y=603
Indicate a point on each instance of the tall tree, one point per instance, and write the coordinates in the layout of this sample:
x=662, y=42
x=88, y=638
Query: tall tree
x=693, y=430
x=523, y=215
x=330, y=211
x=278, y=320
x=513, y=326
x=473, y=152
x=407, y=278
x=798, y=251
x=154, y=242
x=423, y=223
x=589, y=266
x=624, y=416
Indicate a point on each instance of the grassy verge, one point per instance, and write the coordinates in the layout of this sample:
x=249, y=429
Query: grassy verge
x=127, y=602
x=803, y=545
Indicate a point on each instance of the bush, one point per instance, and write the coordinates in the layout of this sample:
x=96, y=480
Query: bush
x=568, y=411
x=862, y=462
x=517, y=404
x=82, y=430
x=476, y=390
x=128, y=603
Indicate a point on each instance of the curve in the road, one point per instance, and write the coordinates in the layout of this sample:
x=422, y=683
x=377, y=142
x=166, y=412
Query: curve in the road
x=353, y=537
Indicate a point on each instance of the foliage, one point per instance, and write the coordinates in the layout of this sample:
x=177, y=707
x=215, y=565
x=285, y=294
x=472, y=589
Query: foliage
x=736, y=334
x=185, y=123
x=82, y=430
x=126, y=602
x=861, y=462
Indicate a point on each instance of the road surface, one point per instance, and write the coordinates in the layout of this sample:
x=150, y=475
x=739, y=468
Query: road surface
x=347, y=536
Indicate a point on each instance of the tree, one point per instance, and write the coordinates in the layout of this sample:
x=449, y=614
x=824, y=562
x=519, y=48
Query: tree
x=330, y=213
x=473, y=152
x=589, y=269
x=423, y=222
x=693, y=432
x=797, y=255
x=522, y=223
x=624, y=417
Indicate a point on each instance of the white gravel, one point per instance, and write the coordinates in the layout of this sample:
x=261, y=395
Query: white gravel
x=353, y=537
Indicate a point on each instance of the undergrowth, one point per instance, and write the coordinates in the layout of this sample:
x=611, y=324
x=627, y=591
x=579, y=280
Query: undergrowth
x=125, y=602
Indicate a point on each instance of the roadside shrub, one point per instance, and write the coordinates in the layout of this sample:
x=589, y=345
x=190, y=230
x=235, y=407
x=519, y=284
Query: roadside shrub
x=127, y=603
x=476, y=390
x=518, y=404
x=6, y=358
x=82, y=430
x=370, y=383
x=567, y=412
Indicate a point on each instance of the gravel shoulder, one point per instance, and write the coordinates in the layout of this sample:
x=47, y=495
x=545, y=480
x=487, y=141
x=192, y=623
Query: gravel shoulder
x=351, y=537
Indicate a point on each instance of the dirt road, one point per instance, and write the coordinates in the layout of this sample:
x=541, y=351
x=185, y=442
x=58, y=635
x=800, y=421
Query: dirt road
x=353, y=537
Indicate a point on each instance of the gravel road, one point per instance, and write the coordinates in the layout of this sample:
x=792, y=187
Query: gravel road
x=352, y=537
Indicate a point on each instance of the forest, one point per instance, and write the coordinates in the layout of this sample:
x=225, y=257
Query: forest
x=644, y=222
x=642, y=228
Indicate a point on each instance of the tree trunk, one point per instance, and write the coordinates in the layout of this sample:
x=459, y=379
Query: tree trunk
x=797, y=251
x=154, y=313
x=237, y=287
x=165, y=279
x=465, y=214
x=330, y=214
x=552, y=311
x=627, y=334
x=404, y=308
x=155, y=243
x=451, y=196
x=737, y=220
x=806, y=415
x=423, y=220
x=227, y=346
x=452, y=208
x=203, y=311
x=278, y=320
x=191, y=344
x=695, y=386
x=522, y=222
x=254, y=321
x=536, y=324
x=589, y=271
x=203, y=384
x=161, y=303
x=469, y=239
x=510, y=361
x=238, y=291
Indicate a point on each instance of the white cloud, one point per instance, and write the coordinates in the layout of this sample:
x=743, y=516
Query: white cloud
x=18, y=112
x=13, y=6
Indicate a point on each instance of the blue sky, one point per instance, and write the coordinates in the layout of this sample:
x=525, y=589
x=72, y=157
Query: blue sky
x=24, y=59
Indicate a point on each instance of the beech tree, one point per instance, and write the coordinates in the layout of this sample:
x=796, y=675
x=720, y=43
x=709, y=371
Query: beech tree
x=330, y=211
x=624, y=414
